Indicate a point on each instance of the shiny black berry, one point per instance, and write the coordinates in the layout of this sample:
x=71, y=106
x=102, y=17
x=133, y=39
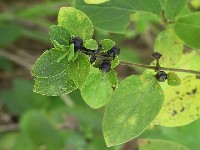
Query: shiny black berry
x=161, y=76
x=114, y=51
x=105, y=66
x=156, y=55
x=78, y=43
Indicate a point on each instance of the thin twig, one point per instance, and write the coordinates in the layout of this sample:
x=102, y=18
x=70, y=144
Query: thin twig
x=126, y=63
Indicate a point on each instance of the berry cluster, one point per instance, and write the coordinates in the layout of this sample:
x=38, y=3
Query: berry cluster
x=101, y=59
x=161, y=76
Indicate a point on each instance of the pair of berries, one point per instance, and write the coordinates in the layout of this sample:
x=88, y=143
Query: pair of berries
x=106, y=57
x=161, y=76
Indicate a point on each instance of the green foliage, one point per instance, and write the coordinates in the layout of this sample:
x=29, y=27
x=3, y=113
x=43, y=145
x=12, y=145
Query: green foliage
x=130, y=108
x=148, y=144
x=9, y=33
x=47, y=64
x=187, y=28
x=169, y=45
x=59, y=34
x=79, y=70
x=76, y=22
x=137, y=101
x=173, y=79
x=40, y=131
x=97, y=89
x=117, y=11
x=107, y=44
x=181, y=105
x=54, y=86
x=91, y=44
x=174, y=8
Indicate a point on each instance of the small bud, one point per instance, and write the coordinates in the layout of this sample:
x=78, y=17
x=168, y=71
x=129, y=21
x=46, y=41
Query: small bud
x=156, y=55
x=114, y=51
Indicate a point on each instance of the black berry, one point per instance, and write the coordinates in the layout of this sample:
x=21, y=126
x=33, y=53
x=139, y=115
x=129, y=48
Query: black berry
x=156, y=55
x=78, y=43
x=114, y=51
x=161, y=76
x=105, y=66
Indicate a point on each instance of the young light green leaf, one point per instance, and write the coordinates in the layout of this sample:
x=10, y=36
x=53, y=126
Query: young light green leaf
x=91, y=44
x=76, y=22
x=170, y=46
x=174, y=7
x=54, y=86
x=97, y=89
x=60, y=34
x=38, y=130
x=152, y=144
x=112, y=76
x=47, y=64
x=107, y=44
x=79, y=70
x=173, y=79
x=71, y=52
x=95, y=1
x=131, y=109
x=188, y=29
x=181, y=105
x=115, y=62
x=115, y=14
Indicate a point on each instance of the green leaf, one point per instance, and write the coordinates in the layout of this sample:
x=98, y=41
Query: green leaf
x=131, y=109
x=188, y=29
x=97, y=89
x=79, y=70
x=76, y=22
x=91, y=44
x=151, y=144
x=115, y=62
x=60, y=34
x=182, y=105
x=71, y=52
x=113, y=16
x=174, y=7
x=173, y=79
x=95, y=1
x=39, y=131
x=47, y=64
x=170, y=46
x=112, y=76
x=54, y=86
x=107, y=44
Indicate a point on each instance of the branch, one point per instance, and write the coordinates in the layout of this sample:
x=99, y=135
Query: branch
x=126, y=63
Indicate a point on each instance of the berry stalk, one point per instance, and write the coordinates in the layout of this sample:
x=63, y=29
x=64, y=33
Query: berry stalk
x=126, y=63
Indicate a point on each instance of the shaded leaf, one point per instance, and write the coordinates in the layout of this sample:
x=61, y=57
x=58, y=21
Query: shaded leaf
x=188, y=29
x=114, y=14
x=174, y=7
